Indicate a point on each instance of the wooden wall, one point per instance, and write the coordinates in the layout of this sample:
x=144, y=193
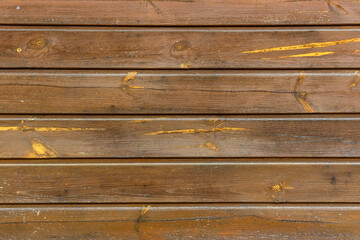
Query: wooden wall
x=179, y=119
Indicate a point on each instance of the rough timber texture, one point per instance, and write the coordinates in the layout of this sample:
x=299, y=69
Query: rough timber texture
x=179, y=48
x=179, y=92
x=179, y=119
x=180, y=12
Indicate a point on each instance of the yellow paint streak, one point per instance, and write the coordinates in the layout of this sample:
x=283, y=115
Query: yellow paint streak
x=42, y=150
x=136, y=87
x=208, y=145
x=129, y=76
x=355, y=82
x=4, y=129
x=48, y=129
x=185, y=65
x=280, y=187
x=314, y=54
x=301, y=97
x=142, y=120
x=305, y=46
x=198, y=130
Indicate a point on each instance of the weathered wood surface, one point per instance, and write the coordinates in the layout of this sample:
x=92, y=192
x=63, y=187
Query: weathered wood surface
x=180, y=222
x=180, y=136
x=180, y=12
x=179, y=92
x=191, y=181
x=176, y=48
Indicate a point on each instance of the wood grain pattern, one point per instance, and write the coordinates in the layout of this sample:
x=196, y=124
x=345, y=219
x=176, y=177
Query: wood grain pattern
x=179, y=48
x=191, y=181
x=179, y=92
x=179, y=136
x=180, y=222
x=180, y=12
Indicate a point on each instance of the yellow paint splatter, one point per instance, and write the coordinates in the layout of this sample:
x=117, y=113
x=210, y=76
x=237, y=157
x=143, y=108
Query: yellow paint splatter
x=144, y=210
x=198, y=130
x=211, y=146
x=41, y=150
x=48, y=129
x=185, y=65
x=129, y=76
x=280, y=187
x=314, y=54
x=18, y=49
x=305, y=46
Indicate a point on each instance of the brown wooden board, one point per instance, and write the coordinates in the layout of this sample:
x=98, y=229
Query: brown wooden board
x=180, y=12
x=179, y=48
x=192, y=181
x=179, y=92
x=179, y=136
x=180, y=222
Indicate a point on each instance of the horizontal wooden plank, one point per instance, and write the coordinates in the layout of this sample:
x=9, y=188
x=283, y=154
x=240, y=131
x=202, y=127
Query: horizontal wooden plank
x=179, y=136
x=164, y=92
x=179, y=48
x=180, y=222
x=192, y=181
x=180, y=12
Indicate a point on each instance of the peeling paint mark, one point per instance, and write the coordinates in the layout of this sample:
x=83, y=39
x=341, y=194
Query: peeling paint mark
x=216, y=121
x=330, y=2
x=129, y=76
x=37, y=44
x=355, y=82
x=144, y=210
x=140, y=218
x=185, y=65
x=300, y=80
x=301, y=97
x=305, y=46
x=42, y=150
x=48, y=129
x=211, y=146
x=213, y=120
x=154, y=6
x=198, y=130
x=314, y=54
